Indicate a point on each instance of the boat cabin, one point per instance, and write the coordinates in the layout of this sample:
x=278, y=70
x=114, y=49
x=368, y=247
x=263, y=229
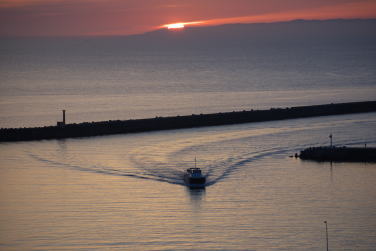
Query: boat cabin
x=194, y=171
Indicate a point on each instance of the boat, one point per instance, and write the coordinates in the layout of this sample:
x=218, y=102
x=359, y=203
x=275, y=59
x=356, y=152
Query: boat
x=194, y=178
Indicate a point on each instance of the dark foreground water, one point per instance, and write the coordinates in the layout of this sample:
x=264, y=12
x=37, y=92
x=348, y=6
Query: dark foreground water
x=126, y=191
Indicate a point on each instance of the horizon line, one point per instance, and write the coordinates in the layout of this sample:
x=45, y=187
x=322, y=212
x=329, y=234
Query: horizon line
x=164, y=27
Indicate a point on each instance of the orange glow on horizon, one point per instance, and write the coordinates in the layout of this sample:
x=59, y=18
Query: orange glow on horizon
x=180, y=25
x=349, y=10
x=117, y=17
x=175, y=26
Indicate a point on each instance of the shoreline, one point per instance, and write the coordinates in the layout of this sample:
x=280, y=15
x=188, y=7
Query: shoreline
x=87, y=129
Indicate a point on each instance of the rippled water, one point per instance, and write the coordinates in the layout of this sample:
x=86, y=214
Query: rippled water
x=126, y=191
x=97, y=79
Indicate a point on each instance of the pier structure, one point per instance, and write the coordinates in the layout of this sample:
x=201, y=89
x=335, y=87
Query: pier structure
x=86, y=129
x=339, y=154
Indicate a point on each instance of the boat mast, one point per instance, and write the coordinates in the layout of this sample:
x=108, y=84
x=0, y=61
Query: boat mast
x=195, y=162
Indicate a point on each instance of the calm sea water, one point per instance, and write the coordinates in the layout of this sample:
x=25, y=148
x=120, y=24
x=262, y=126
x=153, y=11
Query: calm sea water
x=98, y=79
x=126, y=191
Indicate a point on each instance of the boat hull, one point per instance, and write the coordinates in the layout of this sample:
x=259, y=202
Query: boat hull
x=195, y=182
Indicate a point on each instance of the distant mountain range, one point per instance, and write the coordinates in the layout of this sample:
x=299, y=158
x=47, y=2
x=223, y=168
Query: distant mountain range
x=336, y=32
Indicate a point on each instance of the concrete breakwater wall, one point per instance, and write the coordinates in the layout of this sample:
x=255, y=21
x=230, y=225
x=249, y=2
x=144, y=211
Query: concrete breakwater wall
x=339, y=154
x=179, y=122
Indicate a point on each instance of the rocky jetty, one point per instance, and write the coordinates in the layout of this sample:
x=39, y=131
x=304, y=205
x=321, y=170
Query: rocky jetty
x=339, y=154
x=63, y=130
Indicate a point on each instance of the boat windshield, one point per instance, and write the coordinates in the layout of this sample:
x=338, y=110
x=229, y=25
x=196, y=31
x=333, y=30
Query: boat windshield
x=197, y=171
x=194, y=170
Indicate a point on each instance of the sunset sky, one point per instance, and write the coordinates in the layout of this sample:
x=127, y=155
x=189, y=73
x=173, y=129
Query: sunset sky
x=124, y=17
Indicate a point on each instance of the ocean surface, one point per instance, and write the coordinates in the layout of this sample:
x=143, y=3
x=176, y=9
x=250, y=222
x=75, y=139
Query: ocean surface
x=125, y=192
x=98, y=79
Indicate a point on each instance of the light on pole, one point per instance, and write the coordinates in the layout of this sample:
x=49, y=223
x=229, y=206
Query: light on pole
x=331, y=140
x=327, y=238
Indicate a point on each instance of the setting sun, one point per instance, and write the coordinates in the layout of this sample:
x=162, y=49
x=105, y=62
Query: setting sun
x=180, y=25
x=175, y=26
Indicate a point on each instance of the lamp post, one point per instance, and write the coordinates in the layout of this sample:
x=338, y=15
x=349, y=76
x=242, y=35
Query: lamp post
x=331, y=140
x=63, y=117
x=327, y=238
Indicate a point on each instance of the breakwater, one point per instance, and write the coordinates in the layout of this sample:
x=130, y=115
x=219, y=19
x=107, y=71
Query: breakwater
x=339, y=154
x=179, y=122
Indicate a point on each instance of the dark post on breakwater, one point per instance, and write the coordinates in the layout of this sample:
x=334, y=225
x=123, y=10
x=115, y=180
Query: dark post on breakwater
x=179, y=122
x=61, y=123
